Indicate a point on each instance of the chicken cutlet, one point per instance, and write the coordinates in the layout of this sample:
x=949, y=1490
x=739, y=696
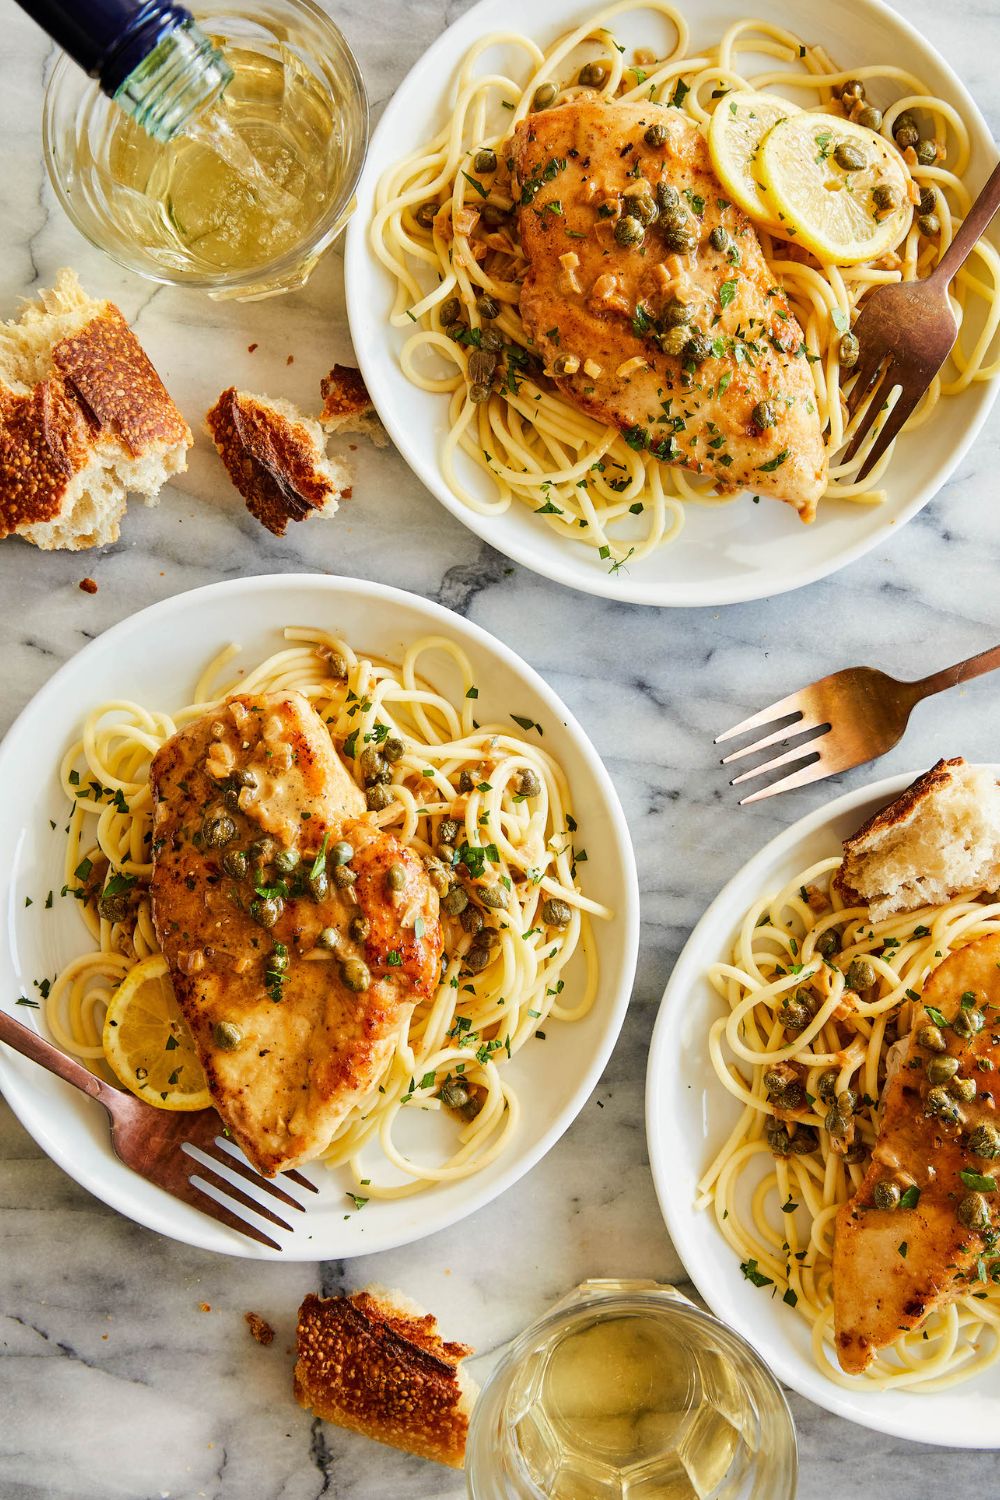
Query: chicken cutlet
x=649, y=298
x=912, y=1236
x=298, y=933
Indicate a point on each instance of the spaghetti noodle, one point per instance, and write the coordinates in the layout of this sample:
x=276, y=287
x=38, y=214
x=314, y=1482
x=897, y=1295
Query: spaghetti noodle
x=537, y=448
x=452, y=768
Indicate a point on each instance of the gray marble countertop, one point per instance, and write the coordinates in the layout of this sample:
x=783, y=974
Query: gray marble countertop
x=117, y=1379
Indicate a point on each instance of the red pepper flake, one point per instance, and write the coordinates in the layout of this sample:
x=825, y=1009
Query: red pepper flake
x=252, y=347
x=88, y=585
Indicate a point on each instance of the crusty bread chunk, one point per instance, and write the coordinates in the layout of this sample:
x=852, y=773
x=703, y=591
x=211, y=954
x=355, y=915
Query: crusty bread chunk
x=84, y=420
x=939, y=837
x=374, y=1363
x=347, y=406
x=276, y=458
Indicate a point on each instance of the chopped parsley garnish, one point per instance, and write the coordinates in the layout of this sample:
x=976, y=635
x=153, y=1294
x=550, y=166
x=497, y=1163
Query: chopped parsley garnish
x=774, y=463
x=911, y=1197
x=978, y=1183
x=751, y=1272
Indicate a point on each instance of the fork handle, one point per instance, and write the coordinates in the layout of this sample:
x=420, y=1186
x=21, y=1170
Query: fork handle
x=976, y=222
x=35, y=1047
x=962, y=671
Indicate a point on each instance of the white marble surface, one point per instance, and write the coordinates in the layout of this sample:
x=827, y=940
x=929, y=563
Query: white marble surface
x=114, y=1382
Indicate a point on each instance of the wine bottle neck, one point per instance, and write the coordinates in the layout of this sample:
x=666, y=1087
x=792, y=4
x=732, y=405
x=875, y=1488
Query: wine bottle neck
x=183, y=74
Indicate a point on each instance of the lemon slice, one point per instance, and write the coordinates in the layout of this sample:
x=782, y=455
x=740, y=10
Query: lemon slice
x=147, y=1041
x=830, y=205
x=735, y=132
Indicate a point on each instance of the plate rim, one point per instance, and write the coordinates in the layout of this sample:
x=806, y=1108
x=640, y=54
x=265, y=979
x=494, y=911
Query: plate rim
x=113, y=1190
x=678, y=1217
x=662, y=594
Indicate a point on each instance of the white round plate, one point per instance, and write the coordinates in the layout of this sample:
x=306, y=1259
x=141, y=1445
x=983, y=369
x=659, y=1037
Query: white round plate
x=725, y=554
x=155, y=657
x=689, y=1115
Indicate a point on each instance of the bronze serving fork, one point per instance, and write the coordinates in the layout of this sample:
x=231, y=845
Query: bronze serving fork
x=152, y=1142
x=841, y=721
x=906, y=331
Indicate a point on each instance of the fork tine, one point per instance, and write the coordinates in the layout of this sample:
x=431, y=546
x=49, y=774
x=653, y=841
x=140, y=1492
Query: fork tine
x=206, y=1204
x=798, y=752
x=905, y=402
x=230, y=1190
x=266, y=1185
x=814, y=771
x=302, y=1181
x=881, y=394
x=790, y=731
x=780, y=710
x=869, y=365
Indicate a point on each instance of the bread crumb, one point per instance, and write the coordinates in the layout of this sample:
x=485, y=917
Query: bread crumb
x=290, y=360
x=259, y=1327
x=252, y=347
x=205, y=1306
x=88, y=585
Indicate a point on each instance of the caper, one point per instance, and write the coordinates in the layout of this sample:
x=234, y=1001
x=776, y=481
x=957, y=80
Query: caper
x=793, y=1016
x=852, y=89
x=479, y=392
x=836, y=1124
x=775, y=1083
x=235, y=864
x=793, y=1095
x=371, y=763
x=629, y=231
x=932, y=1038
x=355, y=975
x=451, y=311
x=485, y=160
x=928, y=201
x=377, y=798
x=974, y=1212
x=719, y=238
x=545, y=95
x=593, y=75
x=849, y=351
x=667, y=196
x=231, y=799
x=491, y=341
x=393, y=750
x=278, y=961
x=968, y=1023
x=360, y=928
x=674, y=340
x=243, y=777
x=487, y=307
x=927, y=153
x=493, y=896
x=454, y=1094
x=342, y=853
x=329, y=939
x=860, y=974
x=286, y=860
x=849, y=156
x=847, y=1102
x=455, y=902
x=656, y=135
x=939, y=1102
x=472, y=920
x=698, y=347
x=494, y=217
x=218, y=832
x=777, y=1137
x=828, y=943
x=677, y=314
x=764, y=415
x=226, y=1035
x=318, y=882
x=557, y=913
x=395, y=877
x=905, y=130
x=437, y=875
x=114, y=908
x=804, y=1141
x=427, y=213
x=856, y=1152
x=446, y=852
x=827, y=1086
x=868, y=116
x=929, y=225
x=262, y=850
x=528, y=783
x=885, y=197
x=886, y=1194
x=963, y=1089
x=477, y=958
x=488, y=937
x=642, y=207
x=455, y=332
x=985, y=1142
x=682, y=239
x=265, y=910
x=940, y=1069
x=343, y=876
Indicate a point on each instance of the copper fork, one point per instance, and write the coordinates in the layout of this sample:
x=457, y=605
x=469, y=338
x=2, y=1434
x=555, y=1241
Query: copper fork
x=155, y=1142
x=841, y=721
x=906, y=331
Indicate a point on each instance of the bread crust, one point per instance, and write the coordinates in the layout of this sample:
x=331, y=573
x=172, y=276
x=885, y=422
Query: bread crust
x=899, y=810
x=272, y=461
x=347, y=406
x=382, y=1370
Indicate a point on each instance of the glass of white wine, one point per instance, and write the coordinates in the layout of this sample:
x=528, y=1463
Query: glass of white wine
x=244, y=200
x=627, y=1391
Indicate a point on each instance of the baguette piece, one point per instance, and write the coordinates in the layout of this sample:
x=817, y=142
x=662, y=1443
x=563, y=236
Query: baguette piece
x=276, y=458
x=347, y=406
x=939, y=837
x=84, y=420
x=375, y=1364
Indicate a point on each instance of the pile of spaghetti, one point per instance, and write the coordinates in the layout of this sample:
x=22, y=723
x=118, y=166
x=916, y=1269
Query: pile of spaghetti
x=452, y=767
x=776, y=1191
x=444, y=248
